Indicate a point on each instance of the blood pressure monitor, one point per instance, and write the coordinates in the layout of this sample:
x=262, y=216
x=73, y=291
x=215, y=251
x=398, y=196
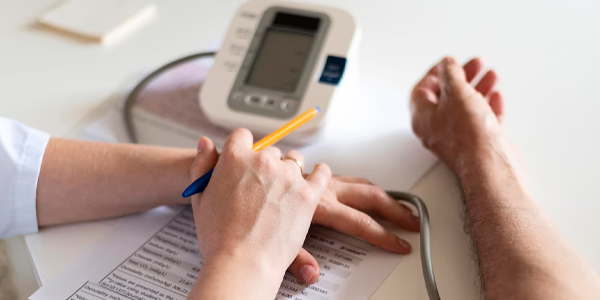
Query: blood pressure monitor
x=278, y=60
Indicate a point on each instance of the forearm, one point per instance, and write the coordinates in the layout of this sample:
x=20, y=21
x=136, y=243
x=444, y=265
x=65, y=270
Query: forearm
x=86, y=180
x=521, y=253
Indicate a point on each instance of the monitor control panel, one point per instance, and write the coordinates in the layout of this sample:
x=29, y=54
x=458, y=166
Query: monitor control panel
x=278, y=64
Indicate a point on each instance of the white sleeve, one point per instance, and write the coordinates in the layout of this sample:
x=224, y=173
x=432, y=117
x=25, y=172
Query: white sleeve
x=21, y=152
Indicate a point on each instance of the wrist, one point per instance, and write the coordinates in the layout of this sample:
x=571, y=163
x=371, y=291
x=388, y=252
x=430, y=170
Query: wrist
x=259, y=264
x=490, y=167
x=178, y=177
x=255, y=275
x=479, y=158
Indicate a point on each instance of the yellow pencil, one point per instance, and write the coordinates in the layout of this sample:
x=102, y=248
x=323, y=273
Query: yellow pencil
x=286, y=129
x=200, y=184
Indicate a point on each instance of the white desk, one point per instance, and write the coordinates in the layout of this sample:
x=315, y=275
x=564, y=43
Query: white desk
x=545, y=51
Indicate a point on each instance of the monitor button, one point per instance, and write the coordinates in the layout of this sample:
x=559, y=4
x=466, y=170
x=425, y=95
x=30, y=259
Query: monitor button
x=270, y=103
x=236, y=96
x=287, y=105
x=255, y=100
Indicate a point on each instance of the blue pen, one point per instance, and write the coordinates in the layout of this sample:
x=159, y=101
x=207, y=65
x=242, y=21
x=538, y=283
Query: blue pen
x=201, y=183
x=198, y=185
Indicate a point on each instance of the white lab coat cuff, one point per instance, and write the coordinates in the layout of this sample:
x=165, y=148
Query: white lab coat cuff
x=27, y=180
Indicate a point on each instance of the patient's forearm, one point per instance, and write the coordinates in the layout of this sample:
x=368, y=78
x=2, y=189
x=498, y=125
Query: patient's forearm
x=86, y=180
x=521, y=254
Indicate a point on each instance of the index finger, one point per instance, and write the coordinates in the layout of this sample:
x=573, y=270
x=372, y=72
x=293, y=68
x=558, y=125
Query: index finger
x=239, y=139
x=453, y=81
x=370, y=197
x=354, y=222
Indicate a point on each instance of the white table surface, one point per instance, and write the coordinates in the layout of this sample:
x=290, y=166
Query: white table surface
x=546, y=52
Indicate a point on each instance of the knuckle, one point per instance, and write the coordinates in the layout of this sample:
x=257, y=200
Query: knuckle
x=321, y=167
x=242, y=131
x=295, y=154
x=262, y=160
x=305, y=196
x=271, y=149
x=292, y=172
x=231, y=155
x=363, y=223
x=363, y=180
x=288, y=183
x=277, y=150
x=377, y=194
x=324, y=166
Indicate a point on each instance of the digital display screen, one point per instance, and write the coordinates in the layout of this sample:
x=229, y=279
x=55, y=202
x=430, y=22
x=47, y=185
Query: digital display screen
x=280, y=60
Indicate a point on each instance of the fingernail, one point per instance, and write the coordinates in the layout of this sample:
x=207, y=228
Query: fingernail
x=416, y=219
x=201, y=144
x=307, y=272
x=409, y=214
x=404, y=244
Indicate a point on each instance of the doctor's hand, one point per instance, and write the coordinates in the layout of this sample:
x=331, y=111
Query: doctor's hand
x=455, y=120
x=252, y=218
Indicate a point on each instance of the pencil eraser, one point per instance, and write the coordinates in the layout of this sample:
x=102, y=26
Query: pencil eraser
x=102, y=21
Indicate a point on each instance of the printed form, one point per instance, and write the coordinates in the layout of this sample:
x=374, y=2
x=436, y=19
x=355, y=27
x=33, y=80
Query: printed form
x=155, y=256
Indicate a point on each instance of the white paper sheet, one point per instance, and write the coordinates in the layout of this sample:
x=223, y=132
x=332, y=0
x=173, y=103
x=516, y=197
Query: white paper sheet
x=154, y=256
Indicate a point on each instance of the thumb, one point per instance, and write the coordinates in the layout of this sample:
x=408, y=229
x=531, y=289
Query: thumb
x=319, y=179
x=206, y=158
x=305, y=267
x=453, y=81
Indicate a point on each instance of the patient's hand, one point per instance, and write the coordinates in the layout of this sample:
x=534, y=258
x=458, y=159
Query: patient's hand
x=455, y=120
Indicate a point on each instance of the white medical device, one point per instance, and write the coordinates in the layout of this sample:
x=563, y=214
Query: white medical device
x=278, y=60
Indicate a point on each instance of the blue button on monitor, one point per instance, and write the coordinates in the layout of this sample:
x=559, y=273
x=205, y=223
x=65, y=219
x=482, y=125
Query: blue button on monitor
x=333, y=70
